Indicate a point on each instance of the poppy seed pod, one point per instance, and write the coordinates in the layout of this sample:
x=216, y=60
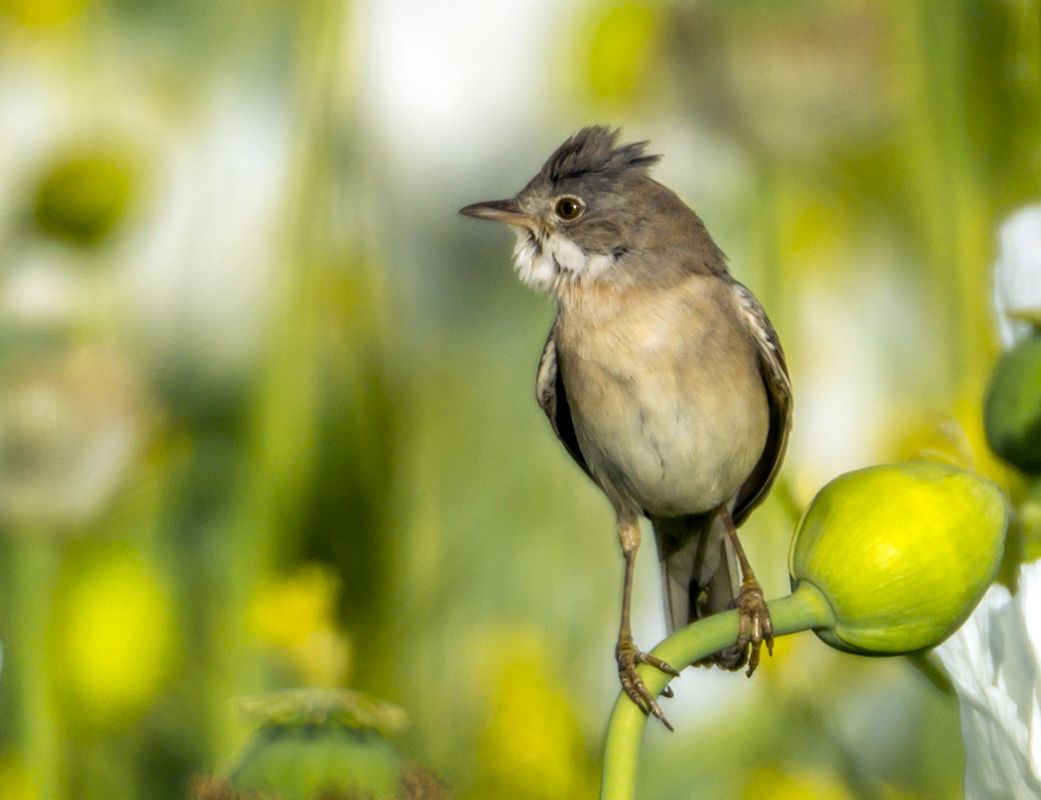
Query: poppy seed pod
x=901, y=552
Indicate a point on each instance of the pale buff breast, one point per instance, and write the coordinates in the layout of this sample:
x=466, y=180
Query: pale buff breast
x=669, y=406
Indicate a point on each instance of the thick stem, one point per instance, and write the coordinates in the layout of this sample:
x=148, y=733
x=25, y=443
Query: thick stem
x=802, y=610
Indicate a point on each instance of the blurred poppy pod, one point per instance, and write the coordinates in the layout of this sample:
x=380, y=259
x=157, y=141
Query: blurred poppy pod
x=1012, y=412
x=312, y=760
x=315, y=743
x=901, y=552
x=83, y=196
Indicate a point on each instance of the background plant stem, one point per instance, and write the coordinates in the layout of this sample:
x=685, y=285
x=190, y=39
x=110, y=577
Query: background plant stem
x=34, y=564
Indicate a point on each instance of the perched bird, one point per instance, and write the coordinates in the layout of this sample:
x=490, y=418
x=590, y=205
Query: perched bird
x=662, y=377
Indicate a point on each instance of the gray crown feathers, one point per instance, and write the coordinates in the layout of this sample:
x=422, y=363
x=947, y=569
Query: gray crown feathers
x=593, y=151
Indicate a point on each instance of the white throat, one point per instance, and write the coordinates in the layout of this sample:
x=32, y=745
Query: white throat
x=552, y=263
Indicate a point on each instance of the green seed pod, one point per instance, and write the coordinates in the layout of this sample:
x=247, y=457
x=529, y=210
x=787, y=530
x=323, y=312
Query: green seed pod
x=83, y=196
x=1012, y=413
x=902, y=553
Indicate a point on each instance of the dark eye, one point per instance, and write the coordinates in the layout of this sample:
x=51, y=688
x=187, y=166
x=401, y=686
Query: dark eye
x=569, y=208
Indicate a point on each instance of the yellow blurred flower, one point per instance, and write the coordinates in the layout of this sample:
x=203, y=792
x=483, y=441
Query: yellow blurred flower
x=781, y=783
x=531, y=747
x=968, y=414
x=888, y=792
x=621, y=51
x=1028, y=519
x=296, y=615
x=818, y=228
x=42, y=13
x=787, y=659
x=117, y=638
x=15, y=783
x=957, y=439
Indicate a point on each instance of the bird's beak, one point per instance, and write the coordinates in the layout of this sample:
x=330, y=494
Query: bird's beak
x=507, y=211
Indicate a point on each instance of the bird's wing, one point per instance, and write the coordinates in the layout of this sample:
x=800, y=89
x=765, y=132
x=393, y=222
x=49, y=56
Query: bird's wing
x=779, y=395
x=549, y=391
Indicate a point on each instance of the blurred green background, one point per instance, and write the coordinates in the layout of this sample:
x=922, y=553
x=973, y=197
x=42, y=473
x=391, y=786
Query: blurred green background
x=266, y=408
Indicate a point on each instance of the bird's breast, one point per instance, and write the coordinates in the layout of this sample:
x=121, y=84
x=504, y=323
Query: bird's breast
x=667, y=398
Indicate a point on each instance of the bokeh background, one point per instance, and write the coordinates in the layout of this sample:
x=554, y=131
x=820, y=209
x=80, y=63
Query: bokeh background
x=266, y=408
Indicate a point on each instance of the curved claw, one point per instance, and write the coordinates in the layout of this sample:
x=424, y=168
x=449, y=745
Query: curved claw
x=632, y=689
x=632, y=684
x=754, y=626
x=657, y=663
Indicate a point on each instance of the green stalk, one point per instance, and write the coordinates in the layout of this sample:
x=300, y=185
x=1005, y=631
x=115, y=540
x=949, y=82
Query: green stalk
x=952, y=217
x=281, y=450
x=34, y=568
x=804, y=609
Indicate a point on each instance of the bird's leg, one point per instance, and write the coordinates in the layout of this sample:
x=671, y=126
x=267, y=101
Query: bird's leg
x=755, y=626
x=626, y=652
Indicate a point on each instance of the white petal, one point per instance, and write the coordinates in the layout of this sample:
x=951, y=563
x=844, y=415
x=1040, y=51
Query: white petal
x=1017, y=273
x=994, y=662
x=1028, y=601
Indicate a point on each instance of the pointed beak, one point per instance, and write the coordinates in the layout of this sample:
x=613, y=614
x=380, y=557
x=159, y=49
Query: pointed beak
x=499, y=211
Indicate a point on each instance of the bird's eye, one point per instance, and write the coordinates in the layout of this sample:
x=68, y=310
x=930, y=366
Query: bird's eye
x=569, y=208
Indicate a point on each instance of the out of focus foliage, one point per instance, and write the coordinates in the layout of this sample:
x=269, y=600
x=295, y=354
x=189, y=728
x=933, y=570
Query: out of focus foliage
x=266, y=414
x=1013, y=406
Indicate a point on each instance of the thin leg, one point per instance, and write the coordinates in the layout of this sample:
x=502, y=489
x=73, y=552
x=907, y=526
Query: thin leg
x=755, y=626
x=626, y=652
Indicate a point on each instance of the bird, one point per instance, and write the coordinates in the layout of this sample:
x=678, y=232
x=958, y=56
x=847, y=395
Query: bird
x=662, y=377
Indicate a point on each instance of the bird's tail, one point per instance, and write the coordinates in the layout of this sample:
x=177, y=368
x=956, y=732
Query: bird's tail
x=700, y=574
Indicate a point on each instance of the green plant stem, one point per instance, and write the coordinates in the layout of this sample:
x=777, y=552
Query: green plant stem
x=35, y=565
x=804, y=609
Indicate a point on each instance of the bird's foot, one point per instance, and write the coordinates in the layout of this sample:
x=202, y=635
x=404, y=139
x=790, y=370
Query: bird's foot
x=628, y=657
x=754, y=625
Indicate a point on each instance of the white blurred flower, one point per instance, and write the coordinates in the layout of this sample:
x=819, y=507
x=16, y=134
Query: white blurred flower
x=1017, y=274
x=74, y=413
x=191, y=273
x=411, y=75
x=994, y=661
x=201, y=267
x=44, y=286
x=71, y=422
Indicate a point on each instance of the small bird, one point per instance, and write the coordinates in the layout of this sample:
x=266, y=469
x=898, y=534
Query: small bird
x=662, y=377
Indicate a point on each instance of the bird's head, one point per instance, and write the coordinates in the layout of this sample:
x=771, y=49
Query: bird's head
x=591, y=206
